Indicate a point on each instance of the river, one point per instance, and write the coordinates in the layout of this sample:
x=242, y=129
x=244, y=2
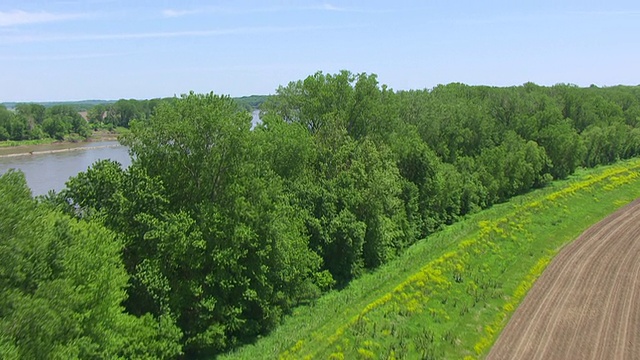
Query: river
x=49, y=167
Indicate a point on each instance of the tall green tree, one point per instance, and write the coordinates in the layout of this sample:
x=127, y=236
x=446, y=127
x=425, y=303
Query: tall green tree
x=354, y=212
x=62, y=284
x=6, y=118
x=34, y=113
x=563, y=146
x=211, y=237
x=96, y=114
x=61, y=120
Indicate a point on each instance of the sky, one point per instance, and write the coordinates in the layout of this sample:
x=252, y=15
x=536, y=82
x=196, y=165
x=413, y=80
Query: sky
x=112, y=49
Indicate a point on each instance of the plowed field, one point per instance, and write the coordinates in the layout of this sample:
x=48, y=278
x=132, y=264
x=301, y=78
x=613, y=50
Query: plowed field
x=586, y=304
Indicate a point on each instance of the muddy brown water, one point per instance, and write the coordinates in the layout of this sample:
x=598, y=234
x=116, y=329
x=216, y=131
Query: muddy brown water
x=48, y=167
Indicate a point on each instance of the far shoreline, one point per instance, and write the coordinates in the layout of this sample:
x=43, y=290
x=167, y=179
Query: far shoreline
x=57, y=146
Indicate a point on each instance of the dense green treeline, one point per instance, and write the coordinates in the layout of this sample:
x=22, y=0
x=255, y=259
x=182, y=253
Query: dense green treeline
x=30, y=121
x=221, y=229
x=63, y=121
x=33, y=121
x=122, y=112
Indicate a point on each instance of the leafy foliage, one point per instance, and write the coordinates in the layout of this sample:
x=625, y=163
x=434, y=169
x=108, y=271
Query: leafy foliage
x=222, y=229
x=210, y=236
x=62, y=284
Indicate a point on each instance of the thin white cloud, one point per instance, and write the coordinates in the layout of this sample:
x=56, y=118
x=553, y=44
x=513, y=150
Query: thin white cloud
x=7, y=39
x=19, y=17
x=608, y=13
x=57, y=57
x=85, y=2
x=178, y=13
x=330, y=7
x=170, y=13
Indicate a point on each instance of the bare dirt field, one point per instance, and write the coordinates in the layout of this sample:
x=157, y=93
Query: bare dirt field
x=586, y=304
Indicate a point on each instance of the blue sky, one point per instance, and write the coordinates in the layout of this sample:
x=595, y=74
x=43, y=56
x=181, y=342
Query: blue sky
x=112, y=49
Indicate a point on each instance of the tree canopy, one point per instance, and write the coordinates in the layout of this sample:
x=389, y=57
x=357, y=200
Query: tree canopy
x=62, y=284
x=217, y=230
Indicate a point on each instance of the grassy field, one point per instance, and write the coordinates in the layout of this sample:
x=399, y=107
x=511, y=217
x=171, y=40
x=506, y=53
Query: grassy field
x=451, y=294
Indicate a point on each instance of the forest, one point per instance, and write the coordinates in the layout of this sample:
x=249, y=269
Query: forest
x=64, y=122
x=217, y=230
x=34, y=121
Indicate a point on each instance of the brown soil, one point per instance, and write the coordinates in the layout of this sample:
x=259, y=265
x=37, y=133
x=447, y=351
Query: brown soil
x=586, y=304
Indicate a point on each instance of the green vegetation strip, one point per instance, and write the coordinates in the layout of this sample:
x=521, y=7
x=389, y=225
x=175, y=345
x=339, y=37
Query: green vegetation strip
x=451, y=294
x=12, y=143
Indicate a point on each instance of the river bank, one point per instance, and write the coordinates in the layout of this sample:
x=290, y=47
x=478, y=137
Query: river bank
x=53, y=151
x=58, y=146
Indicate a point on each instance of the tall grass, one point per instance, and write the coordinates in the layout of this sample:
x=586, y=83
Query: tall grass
x=451, y=294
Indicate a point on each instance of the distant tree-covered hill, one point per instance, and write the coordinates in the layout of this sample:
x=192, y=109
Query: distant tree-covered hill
x=82, y=105
x=252, y=102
